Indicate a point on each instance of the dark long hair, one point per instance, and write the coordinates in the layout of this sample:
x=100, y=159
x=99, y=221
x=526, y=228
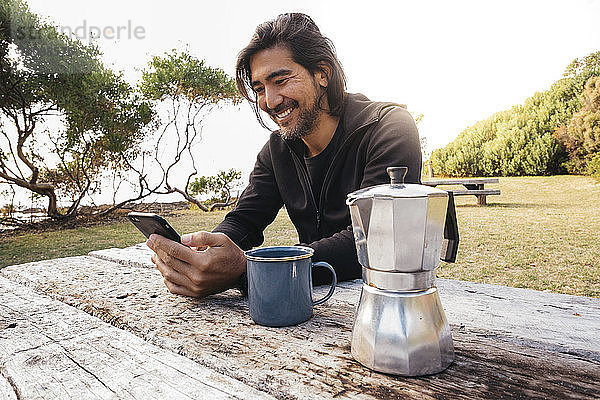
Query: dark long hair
x=309, y=48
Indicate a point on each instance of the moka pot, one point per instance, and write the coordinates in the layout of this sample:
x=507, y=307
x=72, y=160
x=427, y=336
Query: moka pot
x=401, y=233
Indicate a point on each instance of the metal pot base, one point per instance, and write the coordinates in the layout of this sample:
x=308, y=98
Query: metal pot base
x=402, y=333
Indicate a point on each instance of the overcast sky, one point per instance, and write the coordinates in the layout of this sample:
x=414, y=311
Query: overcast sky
x=455, y=62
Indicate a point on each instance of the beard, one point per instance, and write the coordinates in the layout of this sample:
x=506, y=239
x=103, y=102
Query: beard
x=305, y=124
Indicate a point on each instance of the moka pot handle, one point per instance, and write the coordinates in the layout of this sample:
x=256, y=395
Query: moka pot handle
x=450, y=241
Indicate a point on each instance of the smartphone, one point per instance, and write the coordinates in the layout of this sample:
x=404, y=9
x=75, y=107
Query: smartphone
x=149, y=223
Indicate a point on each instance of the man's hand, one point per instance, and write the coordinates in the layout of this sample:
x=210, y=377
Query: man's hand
x=212, y=263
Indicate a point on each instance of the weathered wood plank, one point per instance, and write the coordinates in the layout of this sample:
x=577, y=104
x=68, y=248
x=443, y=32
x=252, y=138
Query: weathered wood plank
x=49, y=350
x=135, y=256
x=540, y=319
x=312, y=360
x=465, y=181
x=556, y=322
x=475, y=187
x=475, y=192
x=7, y=392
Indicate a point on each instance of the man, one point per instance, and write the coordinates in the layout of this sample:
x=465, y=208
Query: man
x=329, y=143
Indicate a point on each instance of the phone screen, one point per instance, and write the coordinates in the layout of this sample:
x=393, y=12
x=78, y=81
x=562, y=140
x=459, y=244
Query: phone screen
x=149, y=223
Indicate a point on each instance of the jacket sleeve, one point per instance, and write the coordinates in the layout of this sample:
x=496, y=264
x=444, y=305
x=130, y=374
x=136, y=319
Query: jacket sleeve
x=339, y=251
x=257, y=207
x=393, y=141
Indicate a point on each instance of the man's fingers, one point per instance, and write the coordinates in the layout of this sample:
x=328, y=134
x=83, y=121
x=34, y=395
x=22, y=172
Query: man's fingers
x=180, y=272
x=204, y=239
x=170, y=273
x=164, y=246
x=179, y=289
x=174, y=263
x=178, y=283
x=196, y=273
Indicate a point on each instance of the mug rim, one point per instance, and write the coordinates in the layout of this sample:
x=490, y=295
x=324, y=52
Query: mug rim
x=250, y=254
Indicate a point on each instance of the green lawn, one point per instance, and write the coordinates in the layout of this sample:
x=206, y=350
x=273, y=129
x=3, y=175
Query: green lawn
x=541, y=233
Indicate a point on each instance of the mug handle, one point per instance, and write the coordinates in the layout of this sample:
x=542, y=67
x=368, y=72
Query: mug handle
x=333, y=284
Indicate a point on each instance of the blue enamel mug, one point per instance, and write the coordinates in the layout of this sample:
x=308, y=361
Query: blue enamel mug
x=280, y=284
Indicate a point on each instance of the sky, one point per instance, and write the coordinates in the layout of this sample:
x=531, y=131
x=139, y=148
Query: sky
x=455, y=62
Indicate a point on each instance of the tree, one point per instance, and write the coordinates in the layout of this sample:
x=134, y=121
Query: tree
x=46, y=76
x=183, y=90
x=581, y=137
x=219, y=186
x=422, y=139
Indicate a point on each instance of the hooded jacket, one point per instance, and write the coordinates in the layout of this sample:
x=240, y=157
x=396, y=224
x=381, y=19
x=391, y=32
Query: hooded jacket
x=376, y=135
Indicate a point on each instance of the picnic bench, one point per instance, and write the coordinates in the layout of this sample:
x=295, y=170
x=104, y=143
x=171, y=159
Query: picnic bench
x=104, y=326
x=474, y=186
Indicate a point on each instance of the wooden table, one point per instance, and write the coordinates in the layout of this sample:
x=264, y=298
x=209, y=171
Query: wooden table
x=104, y=326
x=474, y=186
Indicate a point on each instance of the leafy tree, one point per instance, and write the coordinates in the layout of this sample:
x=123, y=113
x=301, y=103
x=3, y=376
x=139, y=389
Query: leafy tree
x=581, y=137
x=422, y=139
x=8, y=209
x=107, y=129
x=183, y=90
x=46, y=76
x=218, y=186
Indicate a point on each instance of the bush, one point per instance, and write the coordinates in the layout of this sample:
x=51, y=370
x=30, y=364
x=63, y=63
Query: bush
x=581, y=137
x=217, y=187
x=522, y=140
x=593, y=166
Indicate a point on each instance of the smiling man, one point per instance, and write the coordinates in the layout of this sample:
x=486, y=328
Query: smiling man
x=329, y=143
x=293, y=97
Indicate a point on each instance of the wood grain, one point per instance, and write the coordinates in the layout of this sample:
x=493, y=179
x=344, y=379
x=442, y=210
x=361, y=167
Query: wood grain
x=508, y=342
x=49, y=350
x=556, y=322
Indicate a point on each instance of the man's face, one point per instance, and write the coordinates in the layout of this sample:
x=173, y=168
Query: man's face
x=286, y=91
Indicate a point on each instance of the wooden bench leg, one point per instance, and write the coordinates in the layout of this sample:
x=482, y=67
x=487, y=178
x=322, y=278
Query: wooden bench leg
x=481, y=200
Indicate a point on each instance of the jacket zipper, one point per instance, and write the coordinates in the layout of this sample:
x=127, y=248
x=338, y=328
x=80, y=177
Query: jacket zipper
x=318, y=206
x=335, y=157
x=309, y=186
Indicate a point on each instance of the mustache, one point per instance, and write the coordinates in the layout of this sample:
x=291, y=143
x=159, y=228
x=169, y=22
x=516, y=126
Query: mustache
x=282, y=106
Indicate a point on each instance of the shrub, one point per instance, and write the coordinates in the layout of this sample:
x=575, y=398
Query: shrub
x=581, y=137
x=522, y=140
x=217, y=187
x=593, y=166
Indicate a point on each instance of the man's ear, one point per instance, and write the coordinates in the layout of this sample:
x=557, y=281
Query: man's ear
x=323, y=74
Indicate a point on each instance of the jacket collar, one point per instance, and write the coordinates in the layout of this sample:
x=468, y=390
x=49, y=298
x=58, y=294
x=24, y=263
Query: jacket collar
x=359, y=112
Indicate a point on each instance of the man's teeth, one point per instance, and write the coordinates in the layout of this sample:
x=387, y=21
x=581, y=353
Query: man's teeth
x=284, y=114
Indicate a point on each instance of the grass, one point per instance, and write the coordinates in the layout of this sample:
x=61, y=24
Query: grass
x=542, y=233
x=72, y=242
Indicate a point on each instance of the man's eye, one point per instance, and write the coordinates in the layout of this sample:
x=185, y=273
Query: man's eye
x=280, y=81
x=258, y=90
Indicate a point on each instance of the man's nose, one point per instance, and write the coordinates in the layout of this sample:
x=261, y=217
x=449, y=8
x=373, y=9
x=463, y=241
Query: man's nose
x=273, y=98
